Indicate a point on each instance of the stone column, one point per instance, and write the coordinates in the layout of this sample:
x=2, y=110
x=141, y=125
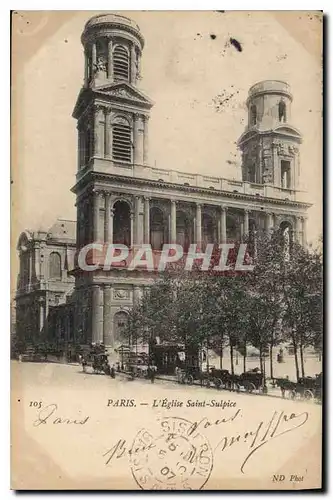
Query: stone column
x=132, y=228
x=41, y=314
x=30, y=269
x=198, y=235
x=95, y=231
x=93, y=58
x=269, y=221
x=136, y=220
x=139, y=64
x=147, y=220
x=98, y=131
x=299, y=230
x=276, y=169
x=102, y=132
x=97, y=314
x=223, y=224
x=304, y=239
x=246, y=222
x=135, y=137
x=86, y=75
x=110, y=60
x=133, y=65
x=173, y=221
x=138, y=139
x=108, y=134
x=145, y=140
x=242, y=230
x=107, y=318
x=108, y=222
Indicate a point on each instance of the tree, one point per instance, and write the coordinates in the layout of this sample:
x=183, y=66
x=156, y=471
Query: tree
x=302, y=295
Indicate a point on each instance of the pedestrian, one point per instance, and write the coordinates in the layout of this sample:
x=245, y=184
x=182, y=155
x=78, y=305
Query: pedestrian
x=84, y=364
x=153, y=373
x=113, y=372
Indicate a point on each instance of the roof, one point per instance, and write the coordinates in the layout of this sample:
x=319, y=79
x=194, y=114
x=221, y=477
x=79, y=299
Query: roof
x=62, y=229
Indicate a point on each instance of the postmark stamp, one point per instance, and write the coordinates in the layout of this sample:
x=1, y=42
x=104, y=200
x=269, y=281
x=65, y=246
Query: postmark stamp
x=171, y=457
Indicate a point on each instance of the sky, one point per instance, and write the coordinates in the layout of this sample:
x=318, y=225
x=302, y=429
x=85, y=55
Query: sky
x=187, y=64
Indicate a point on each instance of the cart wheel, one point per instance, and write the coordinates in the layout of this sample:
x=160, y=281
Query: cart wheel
x=236, y=387
x=189, y=380
x=206, y=382
x=250, y=387
x=292, y=394
x=308, y=395
x=217, y=383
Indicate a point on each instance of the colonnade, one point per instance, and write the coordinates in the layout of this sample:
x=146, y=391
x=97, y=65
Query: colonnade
x=139, y=214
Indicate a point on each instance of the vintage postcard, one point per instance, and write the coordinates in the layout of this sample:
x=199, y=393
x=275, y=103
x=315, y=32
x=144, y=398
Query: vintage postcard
x=167, y=291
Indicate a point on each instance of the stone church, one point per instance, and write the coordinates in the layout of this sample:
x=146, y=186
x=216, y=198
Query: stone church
x=121, y=198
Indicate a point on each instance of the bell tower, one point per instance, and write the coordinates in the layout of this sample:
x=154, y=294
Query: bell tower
x=112, y=113
x=270, y=144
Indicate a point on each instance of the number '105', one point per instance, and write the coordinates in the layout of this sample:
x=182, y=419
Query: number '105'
x=36, y=404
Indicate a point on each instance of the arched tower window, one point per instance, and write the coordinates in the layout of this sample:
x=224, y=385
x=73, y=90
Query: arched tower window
x=121, y=140
x=122, y=223
x=285, y=174
x=55, y=266
x=253, y=114
x=282, y=111
x=121, y=64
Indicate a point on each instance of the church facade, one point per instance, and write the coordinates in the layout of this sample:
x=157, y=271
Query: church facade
x=121, y=198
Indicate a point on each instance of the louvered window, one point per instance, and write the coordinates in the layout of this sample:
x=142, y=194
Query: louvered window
x=121, y=141
x=120, y=63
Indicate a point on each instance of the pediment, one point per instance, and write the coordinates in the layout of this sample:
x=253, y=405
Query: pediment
x=247, y=135
x=124, y=91
x=287, y=130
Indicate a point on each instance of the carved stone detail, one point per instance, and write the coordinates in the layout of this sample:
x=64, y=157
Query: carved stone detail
x=121, y=294
x=122, y=92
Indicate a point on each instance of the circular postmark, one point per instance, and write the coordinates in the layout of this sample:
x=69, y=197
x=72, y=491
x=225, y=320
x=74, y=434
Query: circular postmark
x=172, y=457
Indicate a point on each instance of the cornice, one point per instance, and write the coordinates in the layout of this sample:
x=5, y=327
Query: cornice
x=92, y=176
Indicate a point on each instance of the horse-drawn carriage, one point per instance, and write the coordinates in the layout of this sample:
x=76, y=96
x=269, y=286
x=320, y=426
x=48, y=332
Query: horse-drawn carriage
x=222, y=379
x=95, y=357
x=309, y=388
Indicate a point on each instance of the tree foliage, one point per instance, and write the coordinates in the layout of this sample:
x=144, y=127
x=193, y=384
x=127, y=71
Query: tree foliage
x=279, y=301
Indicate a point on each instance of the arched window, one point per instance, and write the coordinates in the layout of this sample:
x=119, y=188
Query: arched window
x=183, y=230
x=24, y=273
x=122, y=223
x=55, y=266
x=253, y=114
x=120, y=323
x=156, y=228
x=282, y=111
x=121, y=140
x=232, y=229
x=120, y=63
x=208, y=230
